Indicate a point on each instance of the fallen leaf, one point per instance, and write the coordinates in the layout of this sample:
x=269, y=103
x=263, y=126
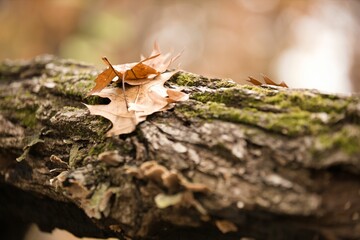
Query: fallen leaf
x=176, y=96
x=267, y=80
x=143, y=100
x=254, y=81
x=144, y=95
x=271, y=82
x=123, y=121
x=136, y=73
x=103, y=80
x=152, y=96
x=162, y=62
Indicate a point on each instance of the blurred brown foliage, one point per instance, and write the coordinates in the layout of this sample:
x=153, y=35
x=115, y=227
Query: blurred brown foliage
x=300, y=42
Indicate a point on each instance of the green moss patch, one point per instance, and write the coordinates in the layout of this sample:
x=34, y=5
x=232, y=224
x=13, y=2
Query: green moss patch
x=281, y=100
x=101, y=147
x=308, y=101
x=290, y=123
x=8, y=70
x=285, y=111
x=76, y=86
x=77, y=124
x=347, y=139
x=26, y=116
x=21, y=108
x=193, y=80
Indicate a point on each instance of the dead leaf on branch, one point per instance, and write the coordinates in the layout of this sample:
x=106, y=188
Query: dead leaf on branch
x=144, y=95
x=116, y=111
x=161, y=62
x=267, y=80
x=143, y=100
x=134, y=73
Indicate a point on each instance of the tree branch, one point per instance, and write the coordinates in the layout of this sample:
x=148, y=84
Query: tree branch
x=233, y=161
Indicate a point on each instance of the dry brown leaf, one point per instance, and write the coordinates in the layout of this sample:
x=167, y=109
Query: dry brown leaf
x=143, y=100
x=103, y=80
x=136, y=73
x=271, y=82
x=254, y=81
x=267, y=80
x=152, y=96
x=145, y=95
x=176, y=96
x=162, y=62
x=124, y=121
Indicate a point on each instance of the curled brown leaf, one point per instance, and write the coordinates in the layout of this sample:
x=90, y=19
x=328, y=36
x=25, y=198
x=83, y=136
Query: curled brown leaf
x=267, y=80
x=136, y=73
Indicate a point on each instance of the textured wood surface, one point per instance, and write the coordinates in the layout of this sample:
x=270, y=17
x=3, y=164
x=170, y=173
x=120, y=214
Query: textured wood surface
x=234, y=161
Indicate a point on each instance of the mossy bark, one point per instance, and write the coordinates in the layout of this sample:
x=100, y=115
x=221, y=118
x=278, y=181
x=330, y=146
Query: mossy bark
x=234, y=161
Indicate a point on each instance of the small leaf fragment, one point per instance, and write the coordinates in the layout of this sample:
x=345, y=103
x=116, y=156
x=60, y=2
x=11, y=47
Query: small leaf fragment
x=267, y=80
x=254, y=81
x=271, y=82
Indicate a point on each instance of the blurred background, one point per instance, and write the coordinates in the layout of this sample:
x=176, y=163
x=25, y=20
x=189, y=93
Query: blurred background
x=306, y=43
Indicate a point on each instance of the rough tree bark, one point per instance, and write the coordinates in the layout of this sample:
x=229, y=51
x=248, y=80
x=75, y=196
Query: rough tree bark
x=232, y=162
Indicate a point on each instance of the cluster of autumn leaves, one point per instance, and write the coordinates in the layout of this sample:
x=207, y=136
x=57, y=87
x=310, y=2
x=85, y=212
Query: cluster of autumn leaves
x=142, y=91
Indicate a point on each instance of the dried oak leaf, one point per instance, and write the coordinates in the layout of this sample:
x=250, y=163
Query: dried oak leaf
x=267, y=81
x=143, y=100
x=134, y=73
